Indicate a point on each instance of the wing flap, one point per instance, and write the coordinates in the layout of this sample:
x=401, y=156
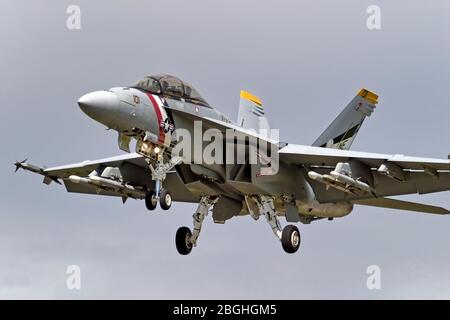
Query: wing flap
x=402, y=205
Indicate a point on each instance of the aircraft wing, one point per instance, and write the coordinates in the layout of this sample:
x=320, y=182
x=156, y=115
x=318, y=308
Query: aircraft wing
x=306, y=155
x=421, y=175
x=132, y=168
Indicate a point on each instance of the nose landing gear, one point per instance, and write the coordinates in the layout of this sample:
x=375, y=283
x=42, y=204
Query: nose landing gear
x=159, y=173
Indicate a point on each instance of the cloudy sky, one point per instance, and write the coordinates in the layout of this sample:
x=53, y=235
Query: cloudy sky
x=304, y=59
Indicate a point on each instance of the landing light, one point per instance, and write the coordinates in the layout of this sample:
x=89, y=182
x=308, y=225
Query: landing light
x=145, y=146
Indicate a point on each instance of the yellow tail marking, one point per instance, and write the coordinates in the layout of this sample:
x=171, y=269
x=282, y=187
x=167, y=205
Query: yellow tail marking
x=368, y=95
x=251, y=97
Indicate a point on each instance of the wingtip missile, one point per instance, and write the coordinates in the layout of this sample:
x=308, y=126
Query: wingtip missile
x=28, y=167
x=24, y=165
x=20, y=164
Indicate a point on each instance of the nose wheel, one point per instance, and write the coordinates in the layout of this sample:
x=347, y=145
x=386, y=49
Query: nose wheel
x=164, y=199
x=150, y=200
x=159, y=172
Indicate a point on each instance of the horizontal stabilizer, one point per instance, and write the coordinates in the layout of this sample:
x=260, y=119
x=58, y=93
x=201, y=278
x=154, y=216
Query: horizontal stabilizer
x=402, y=205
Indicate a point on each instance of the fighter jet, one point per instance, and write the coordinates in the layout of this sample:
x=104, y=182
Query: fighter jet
x=239, y=168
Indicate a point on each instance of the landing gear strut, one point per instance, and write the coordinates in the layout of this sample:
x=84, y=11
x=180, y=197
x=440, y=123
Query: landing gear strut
x=289, y=236
x=159, y=173
x=185, y=240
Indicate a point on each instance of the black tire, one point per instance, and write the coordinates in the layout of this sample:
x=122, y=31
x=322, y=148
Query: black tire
x=290, y=239
x=165, y=200
x=149, y=202
x=182, y=237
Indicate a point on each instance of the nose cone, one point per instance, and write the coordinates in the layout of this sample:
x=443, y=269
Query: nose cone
x=102, y=106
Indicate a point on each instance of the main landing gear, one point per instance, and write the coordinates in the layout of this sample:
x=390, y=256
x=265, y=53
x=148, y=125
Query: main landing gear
x=185, y=240
x=289, y=235
x=159, y=173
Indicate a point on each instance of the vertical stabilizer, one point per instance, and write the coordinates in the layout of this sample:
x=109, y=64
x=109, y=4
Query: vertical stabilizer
x=251, y=113
x=341, y=133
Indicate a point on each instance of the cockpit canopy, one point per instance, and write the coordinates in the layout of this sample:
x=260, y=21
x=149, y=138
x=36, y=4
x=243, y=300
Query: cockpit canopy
x=171, y=86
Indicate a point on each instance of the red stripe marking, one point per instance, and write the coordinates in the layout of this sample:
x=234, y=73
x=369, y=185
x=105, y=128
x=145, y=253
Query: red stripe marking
x=162, y=135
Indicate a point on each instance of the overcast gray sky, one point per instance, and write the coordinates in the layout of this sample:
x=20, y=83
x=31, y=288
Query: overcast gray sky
x=304, y=59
